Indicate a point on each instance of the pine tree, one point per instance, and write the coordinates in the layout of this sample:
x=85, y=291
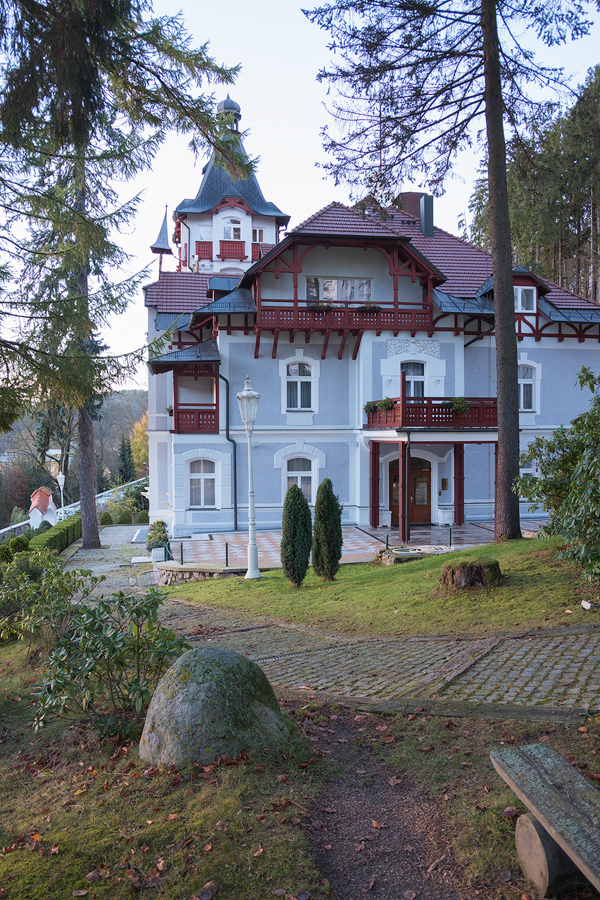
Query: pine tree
x=126, y=464
x=327, y=532
x=89, y=91
x=296, y=535
x=413, y=78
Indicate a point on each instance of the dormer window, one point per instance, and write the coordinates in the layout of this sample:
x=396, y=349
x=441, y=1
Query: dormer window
x=232, y=230
x=524, y=299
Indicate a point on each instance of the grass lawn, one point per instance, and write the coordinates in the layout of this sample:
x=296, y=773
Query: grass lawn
x=541, y=590
x=72, y=806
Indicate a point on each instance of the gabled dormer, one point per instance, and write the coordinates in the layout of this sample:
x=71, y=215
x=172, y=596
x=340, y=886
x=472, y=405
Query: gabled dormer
x=229, y=224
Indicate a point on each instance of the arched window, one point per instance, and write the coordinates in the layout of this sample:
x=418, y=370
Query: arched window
x=299, y=471
x=526, y=383
x=415, y=378
x=299, y=385
x=232, y=230
x=202, y=483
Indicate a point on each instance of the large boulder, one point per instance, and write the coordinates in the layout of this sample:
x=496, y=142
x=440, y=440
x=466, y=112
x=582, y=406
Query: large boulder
x=211, y=702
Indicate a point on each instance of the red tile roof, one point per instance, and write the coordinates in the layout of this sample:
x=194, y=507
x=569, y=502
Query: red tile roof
x=40, y=499
x=564, y=299
x=177, y=292
x=341, y=220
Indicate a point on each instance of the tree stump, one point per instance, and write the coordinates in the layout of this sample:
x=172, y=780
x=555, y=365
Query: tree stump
x=460, y=575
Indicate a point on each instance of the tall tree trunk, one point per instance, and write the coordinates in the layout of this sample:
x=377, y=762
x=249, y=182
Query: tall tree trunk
x=87, y=481
x=507, y=524
x=87, y=468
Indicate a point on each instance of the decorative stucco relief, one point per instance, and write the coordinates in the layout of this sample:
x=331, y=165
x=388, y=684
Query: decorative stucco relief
x=398, y=346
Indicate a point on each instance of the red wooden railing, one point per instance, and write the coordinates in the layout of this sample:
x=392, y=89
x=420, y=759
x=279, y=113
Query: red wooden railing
x=232, y=250
x=255, y=252
x=192, y=418
x=283, y=314
x=435, y=412
x=204, y=249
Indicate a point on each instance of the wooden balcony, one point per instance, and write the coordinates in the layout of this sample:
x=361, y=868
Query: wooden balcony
x=285, y=314
x=232, y=250
x=196, y=418
x=204, y=250
x=434, y=413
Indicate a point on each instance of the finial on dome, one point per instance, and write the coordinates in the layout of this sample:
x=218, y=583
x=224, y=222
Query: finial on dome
x=161, y=245
x=229, y=107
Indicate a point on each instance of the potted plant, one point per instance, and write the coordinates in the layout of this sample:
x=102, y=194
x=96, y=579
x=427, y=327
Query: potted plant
x=457, y=404
x=370, y=407
x=385, y=404
x=320, y=307
x=369, y=307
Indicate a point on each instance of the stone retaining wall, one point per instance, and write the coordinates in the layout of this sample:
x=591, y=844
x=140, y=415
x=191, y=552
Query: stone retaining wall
x=171, y=573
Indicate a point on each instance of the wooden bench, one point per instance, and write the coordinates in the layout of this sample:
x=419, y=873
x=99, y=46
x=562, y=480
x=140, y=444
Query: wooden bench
x=561, y=835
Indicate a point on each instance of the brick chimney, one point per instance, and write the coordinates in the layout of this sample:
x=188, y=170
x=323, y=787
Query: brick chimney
x=419, y=205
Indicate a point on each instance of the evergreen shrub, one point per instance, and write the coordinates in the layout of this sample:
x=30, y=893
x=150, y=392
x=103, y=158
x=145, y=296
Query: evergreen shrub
x=327, y=533
x=143, y=517
x=106, y=519
x=18, y=544
x=296, y=535
x=125, y=518
x=5, y=553
x=59, y=536
x=157, y=535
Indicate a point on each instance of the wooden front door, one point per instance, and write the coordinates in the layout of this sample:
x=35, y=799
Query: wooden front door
x=395, y=491
x=420, y=491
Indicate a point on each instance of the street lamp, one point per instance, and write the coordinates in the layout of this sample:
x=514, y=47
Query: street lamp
x=248, y=401
x=61, y=483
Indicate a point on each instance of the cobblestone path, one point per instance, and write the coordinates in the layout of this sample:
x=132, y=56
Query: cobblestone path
x=554, y=674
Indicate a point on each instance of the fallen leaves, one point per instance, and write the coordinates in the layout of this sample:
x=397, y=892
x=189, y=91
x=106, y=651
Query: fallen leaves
x=394, y=781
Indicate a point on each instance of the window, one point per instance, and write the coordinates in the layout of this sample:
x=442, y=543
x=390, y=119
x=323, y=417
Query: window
x=202, y=483
x=257, y=235
x=299, y=385
x=415, y=378
x=526, y=382
x=332, y=290
x=299, y=471
x=232, y=230
x=524, y=299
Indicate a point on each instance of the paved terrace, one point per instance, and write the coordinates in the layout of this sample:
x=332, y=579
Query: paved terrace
x=540, y=675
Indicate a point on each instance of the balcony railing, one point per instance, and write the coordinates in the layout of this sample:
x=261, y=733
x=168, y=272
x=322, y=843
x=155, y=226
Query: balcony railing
x=196, y=418
x=345, y=316
x=435, y=412
x=232, y=250
x=204, y=249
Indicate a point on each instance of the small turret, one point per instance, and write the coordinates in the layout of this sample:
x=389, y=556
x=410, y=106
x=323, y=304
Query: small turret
x=229, y=107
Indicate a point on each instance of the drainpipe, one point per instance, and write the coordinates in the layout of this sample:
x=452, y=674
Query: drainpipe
x=408, y=488
x=231, y=441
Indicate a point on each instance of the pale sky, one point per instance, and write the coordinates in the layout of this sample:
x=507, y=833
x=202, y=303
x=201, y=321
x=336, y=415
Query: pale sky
x=283, y=108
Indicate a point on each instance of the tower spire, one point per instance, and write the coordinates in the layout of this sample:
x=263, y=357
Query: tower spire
x=161, y=244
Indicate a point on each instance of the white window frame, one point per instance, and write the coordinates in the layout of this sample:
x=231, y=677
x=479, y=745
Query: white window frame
x=297, y=476
x=234, y=227
x=315, y=369
x=300, y=450
x=258, y=235
x=518, y=293
x=411, y=380
x=338, y=290
x=523, y=381
x=535, y=381
x=298, y=381
x=202, y=477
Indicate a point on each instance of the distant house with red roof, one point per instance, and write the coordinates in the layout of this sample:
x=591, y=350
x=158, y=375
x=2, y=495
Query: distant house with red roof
x=42, y=508
x=359, y=329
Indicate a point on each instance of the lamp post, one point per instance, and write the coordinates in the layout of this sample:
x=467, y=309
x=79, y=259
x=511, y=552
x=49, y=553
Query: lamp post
x=61, y=483
x=248, y=401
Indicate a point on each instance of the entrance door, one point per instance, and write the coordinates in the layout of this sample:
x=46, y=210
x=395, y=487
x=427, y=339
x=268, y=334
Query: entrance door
x=395, y=491
x=420, y=491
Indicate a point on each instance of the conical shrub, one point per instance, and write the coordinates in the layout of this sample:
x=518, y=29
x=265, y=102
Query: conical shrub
x=296, y=535
x=327, y=532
